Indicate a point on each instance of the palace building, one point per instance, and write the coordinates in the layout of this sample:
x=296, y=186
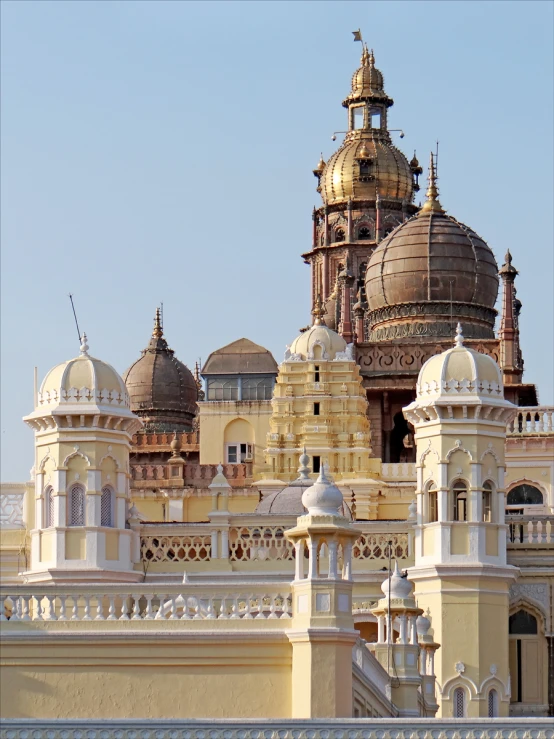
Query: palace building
x=364, y=530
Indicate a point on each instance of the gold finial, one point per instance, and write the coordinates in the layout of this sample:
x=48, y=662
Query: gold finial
x=318, y=312
x=371, y=58
x=432, y=202
x=157, y=333
x=320, y=166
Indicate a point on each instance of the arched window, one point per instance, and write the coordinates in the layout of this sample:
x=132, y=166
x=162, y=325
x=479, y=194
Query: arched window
x=48, y=508
x=459, y=497
x=432, y=503
x=493, y=703
x=76, y=501
x=339, y=234
x=106, y=506
x=525, y=495
x=459, y=703
x=364, y=233
x=522, y=622
x=487, y=502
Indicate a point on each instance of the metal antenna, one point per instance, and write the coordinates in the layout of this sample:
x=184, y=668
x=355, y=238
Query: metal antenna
x=162, y=314
x=437, y=162
x=75, y=316
x=451, y=309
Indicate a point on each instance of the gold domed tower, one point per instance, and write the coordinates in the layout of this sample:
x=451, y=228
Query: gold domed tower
x=367, y=187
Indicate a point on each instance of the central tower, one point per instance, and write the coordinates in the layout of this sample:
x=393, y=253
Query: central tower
x=367, y=188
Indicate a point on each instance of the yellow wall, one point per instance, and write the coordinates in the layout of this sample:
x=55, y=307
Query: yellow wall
x=153, y=679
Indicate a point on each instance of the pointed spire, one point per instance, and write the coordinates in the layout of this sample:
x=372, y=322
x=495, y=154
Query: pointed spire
x=84, y=345
x=318, y=312
x=432, y=203
x=157, y=333
x=371, y=58
x=366, y=59
x=507, y=268
x=459, y=340
x=304, y=469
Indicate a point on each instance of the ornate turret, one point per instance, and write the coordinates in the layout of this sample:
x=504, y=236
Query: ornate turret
x=367, y=188
x=162, y=389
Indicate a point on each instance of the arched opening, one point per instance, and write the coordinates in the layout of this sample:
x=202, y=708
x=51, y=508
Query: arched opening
x=525, y=495
x=486, y=497
x=401, y=439
x=493, y=703
x=459, y=703
x=238, y=439
x=459, y=501
x=318, y=351
x=339, y=235
x=76, y=500
x=528, y=660
x=364, y=233
x=48, y=511
x=107, y=506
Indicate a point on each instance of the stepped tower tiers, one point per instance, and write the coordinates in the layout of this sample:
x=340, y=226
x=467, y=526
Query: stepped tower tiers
x=83, y=426
x=367, y=188
x=461, y=575
x=319, y=403
x=162, y=390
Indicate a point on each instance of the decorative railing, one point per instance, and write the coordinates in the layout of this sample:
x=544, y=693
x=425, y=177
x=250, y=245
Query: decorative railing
x=248, y=543
x=185, y=602
x=531, y=421
x=376, y=546
x=286, y=728
x=523, y=531
x=398, y=470
x=176, y=548
x=196, y=475
x=186, y=440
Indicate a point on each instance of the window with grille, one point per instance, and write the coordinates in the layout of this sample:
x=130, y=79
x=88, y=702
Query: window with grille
x=48, y=507
x=459, y=703
x=76, y=506
x=253, y=388
x=493, y=711
x=106, y=507
x=219, y=389
x=460, y=500
x=487, y=502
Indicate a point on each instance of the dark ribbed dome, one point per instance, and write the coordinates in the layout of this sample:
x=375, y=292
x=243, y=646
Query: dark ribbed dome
x=162, y=390
x=429, y=268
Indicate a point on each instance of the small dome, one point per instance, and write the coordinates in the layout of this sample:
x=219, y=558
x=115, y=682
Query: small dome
x=323, y=498
x=84, y=379
x=400, y=587
x=318, y=342
x=367, y=81
x=422, y=625
x=426, y=267
x=162, y=390
x=460, y=371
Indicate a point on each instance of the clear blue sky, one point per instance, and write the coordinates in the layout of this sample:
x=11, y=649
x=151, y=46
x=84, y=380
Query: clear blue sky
x=162, y=151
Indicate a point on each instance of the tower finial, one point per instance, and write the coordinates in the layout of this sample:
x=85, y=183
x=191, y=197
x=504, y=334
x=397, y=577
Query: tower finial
x=318, y=311
x=84, y=345
x=157, y=333
x=459, y=341
x=432, y=202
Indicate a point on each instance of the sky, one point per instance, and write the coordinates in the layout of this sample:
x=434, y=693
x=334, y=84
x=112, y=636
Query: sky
x=163, y=151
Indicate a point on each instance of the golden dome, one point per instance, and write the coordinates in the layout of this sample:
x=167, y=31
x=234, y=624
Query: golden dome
x=320, y=166
x=390, y=175
x=367, y=81
x=83, y=380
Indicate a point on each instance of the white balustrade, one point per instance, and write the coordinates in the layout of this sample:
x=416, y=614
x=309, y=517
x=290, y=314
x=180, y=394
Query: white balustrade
x=523, y=531
x=398, y=471
x=176, y=548
x=375, y=546
x=532, y=420
x=113, y=603
x=247, y=543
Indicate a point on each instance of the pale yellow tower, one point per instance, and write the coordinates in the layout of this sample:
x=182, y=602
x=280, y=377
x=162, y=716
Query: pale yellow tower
x=319, y=403
x=83, y=427
x=460, y=571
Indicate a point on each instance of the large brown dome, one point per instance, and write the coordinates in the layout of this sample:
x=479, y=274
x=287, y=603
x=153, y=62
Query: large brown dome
x=429, y=273
x=162, y=390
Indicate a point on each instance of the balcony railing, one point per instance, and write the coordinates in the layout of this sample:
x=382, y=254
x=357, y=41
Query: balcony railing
x=523, y=531
x=532, y=421
x=195, y=475
x=141, y=602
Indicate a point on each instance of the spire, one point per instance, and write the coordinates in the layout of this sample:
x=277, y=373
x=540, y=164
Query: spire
x=432, y=202
x=507, y=269
x=318, y=312
x=304, y=470
x=459, y=341
x=157, y=333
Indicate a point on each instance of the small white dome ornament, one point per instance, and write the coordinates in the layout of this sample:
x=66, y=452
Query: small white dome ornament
x=84, y=345
x=400, y=587
x=323, y=498
x=423, y=624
